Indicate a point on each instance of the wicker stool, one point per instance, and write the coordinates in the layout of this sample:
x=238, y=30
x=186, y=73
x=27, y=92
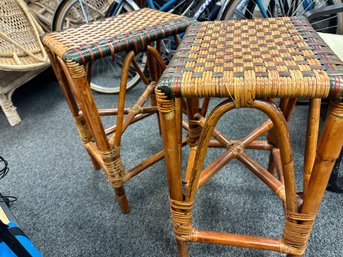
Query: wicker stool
x=73, y=48
x=249, y=62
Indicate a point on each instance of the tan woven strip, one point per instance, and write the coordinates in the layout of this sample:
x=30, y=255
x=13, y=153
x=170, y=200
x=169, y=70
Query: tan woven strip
x=115, y=168
x=182, y=218
x=76, y=70
x=297, y=231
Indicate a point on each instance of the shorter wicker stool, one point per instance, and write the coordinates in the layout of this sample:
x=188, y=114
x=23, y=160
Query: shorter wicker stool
x=249, y=62
x=72, y=49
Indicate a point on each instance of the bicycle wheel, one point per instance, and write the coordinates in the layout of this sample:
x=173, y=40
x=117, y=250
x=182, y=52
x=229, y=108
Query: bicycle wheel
x=106, y=72
x=242, y=9
x=196, y=9
x=168, y=45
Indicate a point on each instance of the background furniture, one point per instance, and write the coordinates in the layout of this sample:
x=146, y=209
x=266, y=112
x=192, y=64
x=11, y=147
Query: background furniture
x=22, y=54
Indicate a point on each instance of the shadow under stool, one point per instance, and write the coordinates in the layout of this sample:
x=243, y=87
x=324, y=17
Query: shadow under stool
x=71, y=54
x=248, y=63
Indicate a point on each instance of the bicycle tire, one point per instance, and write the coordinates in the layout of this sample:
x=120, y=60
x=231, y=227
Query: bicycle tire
x=328, y=24
x=106, y=72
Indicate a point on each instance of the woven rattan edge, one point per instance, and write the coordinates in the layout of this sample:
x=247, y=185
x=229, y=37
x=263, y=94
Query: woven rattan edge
x=136, y=40
x=328, y=58
x=170, y=83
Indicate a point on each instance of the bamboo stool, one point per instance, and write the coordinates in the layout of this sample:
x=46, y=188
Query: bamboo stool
x=249, y=62
x=72, y=49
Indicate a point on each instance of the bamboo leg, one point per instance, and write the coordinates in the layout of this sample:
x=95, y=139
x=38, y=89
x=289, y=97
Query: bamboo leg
x=154, y=61
x=166, y=108
x=271, y=164
x=182, y=248
x=283, y=104
x=152, y=66
x=311, y=139
x=328, y=150
x=287, y=112
x=287, y=106
x=80, y=122
x=77, y=79
x=193, y=134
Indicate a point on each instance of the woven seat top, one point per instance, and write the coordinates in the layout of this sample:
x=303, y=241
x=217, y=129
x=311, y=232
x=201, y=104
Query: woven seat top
x=129, y=31
x=248, y=59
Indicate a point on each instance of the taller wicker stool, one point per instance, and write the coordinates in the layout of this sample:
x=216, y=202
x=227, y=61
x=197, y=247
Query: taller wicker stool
x=71, y=50
x=249, y=62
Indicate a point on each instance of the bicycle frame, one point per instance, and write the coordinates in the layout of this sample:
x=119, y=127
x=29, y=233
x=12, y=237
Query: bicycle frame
x=169, y=6
x=307, y=4
x=166, y=7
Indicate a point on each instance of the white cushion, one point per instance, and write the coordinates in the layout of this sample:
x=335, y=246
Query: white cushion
x=335, y=42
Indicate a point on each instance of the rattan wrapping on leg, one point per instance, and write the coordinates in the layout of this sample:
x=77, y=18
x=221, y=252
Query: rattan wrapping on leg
x=297, y=231
x=182, y=218
x=115, y=168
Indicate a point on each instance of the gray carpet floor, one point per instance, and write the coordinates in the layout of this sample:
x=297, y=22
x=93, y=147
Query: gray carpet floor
x=68, y=209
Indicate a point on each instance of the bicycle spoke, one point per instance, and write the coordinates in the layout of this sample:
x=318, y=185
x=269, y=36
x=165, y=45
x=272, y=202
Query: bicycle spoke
x=83, y=11
x=119, y=10
x=327, y=28
x=327, y=19
x=282, y=8
x=252, y=13
x=237, y=12
x=188, y=8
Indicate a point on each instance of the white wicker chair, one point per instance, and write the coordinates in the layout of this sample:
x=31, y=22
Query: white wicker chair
x=22, y=55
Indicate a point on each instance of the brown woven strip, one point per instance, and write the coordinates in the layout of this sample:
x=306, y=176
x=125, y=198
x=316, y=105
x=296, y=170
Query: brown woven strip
x=248, y=59
x=182, y=218
x=115, y=168
x=297, y=231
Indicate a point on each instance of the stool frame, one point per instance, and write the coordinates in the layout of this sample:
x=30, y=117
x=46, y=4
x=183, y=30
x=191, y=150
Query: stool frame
x=104, y=152
x=198, y=79
x=72, y=53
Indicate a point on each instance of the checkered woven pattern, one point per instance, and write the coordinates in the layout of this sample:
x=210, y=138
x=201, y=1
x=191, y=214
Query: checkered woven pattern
x=129, y=31
x=279, y=57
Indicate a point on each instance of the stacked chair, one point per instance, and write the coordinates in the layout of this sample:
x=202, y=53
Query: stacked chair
x=22, y=55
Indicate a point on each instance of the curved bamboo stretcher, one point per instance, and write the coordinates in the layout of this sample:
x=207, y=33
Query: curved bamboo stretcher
x=22, y=55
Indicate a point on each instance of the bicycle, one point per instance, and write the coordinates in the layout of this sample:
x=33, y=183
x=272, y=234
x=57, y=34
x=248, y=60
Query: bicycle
x=72, y=13
x=249, y=9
